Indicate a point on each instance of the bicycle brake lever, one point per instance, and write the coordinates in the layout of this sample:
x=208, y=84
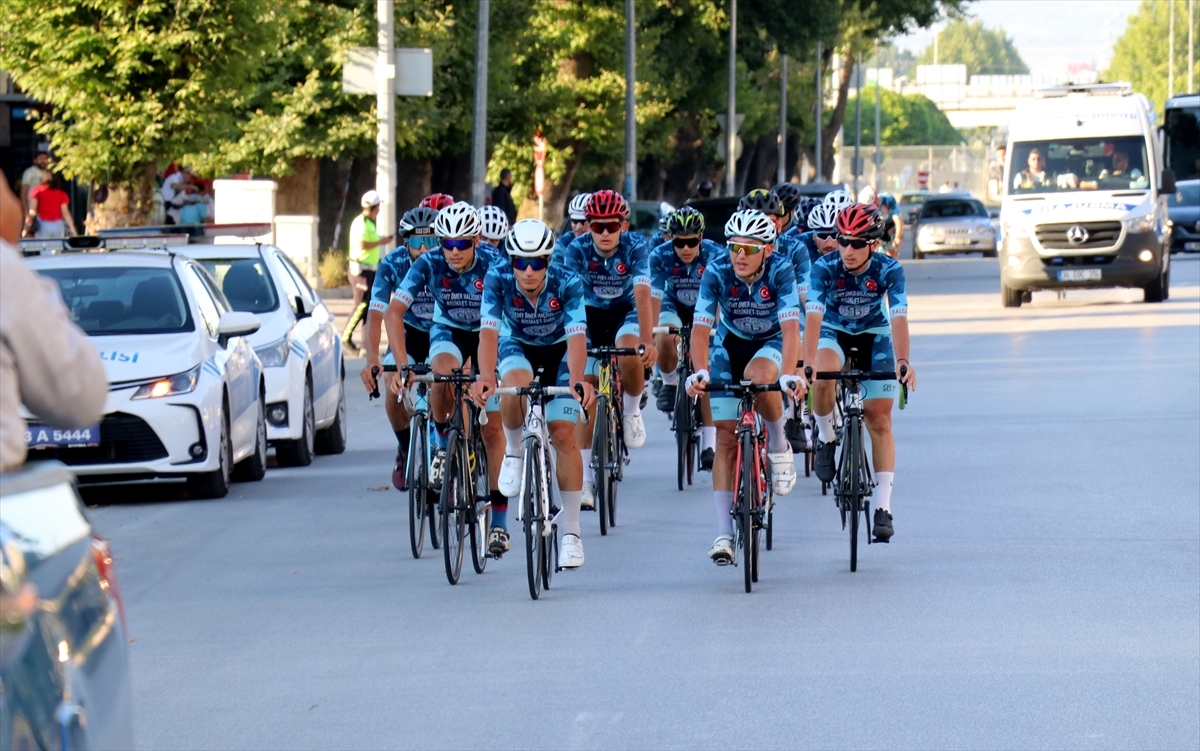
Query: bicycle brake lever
x=375, y=376
x=579, y=390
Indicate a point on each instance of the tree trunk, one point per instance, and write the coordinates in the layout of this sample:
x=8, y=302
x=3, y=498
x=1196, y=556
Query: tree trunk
x=684, y=172
x=837, y=116
x=128, y=204
x=298, y=194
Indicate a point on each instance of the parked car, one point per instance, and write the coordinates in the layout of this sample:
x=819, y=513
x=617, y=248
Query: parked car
x=64, y=669
x=298, y=345
x=1183, y=212
x=953, y=224
x=910, y=204
x=185, y=397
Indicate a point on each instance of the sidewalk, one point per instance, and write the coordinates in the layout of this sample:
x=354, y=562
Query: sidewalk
x=340, y=303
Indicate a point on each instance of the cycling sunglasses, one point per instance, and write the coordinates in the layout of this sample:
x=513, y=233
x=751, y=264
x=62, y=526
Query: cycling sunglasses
x=826, y=235
x=537, y=264
x=853, y=242
x=685, y=242
x=423, y=242
x=457, y=244
x=578, y=221
x=750, y=250
x=606, y=228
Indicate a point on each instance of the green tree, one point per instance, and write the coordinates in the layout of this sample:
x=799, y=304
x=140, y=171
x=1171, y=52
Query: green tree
x=912, y=120
x=984, y=51
x=1140, y=55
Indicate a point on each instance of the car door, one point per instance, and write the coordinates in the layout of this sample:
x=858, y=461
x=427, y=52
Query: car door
x=320, y=335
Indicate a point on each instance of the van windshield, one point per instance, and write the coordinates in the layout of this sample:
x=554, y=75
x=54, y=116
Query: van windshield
x=1057, y=166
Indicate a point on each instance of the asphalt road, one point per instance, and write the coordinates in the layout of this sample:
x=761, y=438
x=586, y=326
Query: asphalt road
x=1042, y=590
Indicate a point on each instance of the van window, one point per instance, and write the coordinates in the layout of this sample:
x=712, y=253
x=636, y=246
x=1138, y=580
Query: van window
x=1061, y=165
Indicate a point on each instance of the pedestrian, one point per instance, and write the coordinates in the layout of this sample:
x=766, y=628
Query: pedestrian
x=365, y=243
x=502, y=196
x=32, y=177
x=46, y=362
x=49, y=213
x=704, y=189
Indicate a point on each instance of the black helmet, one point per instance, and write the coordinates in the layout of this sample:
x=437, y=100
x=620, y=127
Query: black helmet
x=789, y=193
x=418, y=221
x=704, y=189
x=805, y=208
x=762, y=200
x=685, y=221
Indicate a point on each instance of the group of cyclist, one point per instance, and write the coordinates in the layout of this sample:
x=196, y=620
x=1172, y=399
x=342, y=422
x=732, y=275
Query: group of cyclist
x=518, y=303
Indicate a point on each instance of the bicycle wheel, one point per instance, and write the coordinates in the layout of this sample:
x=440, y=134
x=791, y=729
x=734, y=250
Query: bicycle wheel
x=853, y=438
x=616, y=458
x=455, y=484
x=746, y=507
x=531, y=510
x=683, y=435
x=600, y=460
x=433, y=513
x=418, y=470
x=480, y=522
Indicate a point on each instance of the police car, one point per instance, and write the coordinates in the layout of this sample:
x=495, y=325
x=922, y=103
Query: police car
x=298, y=345
x=185, y=394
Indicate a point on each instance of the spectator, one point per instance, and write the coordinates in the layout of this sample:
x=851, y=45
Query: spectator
x=365, y=245
x=50, y=206
x=178, y=190
x=945, y=187
x=46, y=362
x=704, y=189
x=32, y=177
x=502, y=196
x=199, y=208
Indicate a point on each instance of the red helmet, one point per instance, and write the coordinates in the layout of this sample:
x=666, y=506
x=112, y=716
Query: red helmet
x=436, y=201
x=606, y=203
x=860, y=220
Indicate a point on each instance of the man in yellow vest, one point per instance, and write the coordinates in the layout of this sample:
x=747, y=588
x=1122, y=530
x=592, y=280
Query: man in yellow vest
x=365, y=243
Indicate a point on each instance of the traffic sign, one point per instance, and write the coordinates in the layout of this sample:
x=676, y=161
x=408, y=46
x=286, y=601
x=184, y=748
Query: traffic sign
x=923, y=179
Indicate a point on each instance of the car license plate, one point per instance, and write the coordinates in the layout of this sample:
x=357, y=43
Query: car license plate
x=957, y=242
x=43, y=437
x=1079, y=275
x=1191, y=246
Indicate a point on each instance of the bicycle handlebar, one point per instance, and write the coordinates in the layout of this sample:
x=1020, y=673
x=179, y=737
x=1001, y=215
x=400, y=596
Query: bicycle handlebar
x=669, y=329
x=742, y=387
x=537, y=390
x=439, y=378
x=617, y=351
x=857, y=375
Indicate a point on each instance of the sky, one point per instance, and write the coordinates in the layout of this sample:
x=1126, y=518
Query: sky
x=1037, y=28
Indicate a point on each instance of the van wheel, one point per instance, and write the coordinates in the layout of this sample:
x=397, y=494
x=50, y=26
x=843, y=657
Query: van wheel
x=215, y=484
x=1011, y=298
x=299, y=453
x=990, y=253
x=1159, y=289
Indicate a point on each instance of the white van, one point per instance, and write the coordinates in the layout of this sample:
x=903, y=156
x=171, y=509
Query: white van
x=1084, y=195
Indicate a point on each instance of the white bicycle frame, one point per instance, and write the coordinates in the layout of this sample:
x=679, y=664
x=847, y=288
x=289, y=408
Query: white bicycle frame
x=535, y=426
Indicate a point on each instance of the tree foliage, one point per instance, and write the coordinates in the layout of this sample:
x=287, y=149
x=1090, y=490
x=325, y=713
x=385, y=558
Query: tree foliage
x=1140, y=55
x=984, y=51
x=912, y=120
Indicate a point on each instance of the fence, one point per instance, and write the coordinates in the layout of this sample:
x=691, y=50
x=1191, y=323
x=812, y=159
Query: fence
x=967, y=166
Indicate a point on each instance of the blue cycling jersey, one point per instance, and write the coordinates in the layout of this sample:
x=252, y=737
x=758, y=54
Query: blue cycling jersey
x=388, y=277
x=553, y=315
x=809, y=241
x=749, y=311
x=608, y=282
x=790, y=247
x=673, y=279
x=854, y=303
x=456, y=295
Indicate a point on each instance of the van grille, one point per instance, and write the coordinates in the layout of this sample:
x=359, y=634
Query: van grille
x=1099, y=235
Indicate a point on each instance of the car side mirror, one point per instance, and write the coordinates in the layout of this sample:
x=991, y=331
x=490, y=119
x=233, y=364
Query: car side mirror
x=303, y=308
x=1168, y=181
x=993, y=215
x=234, y=324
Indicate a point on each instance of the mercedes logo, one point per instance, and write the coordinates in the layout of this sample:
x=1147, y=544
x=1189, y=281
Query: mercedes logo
x=1077, y=235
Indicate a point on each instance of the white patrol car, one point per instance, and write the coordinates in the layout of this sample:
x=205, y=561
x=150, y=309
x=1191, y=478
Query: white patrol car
x=185, y=387
x=298, y=345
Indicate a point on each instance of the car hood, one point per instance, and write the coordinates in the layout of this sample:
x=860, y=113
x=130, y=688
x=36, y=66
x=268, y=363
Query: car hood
x=274, y=325
x=1185, y=215
x=133, y=358
x=954, y=222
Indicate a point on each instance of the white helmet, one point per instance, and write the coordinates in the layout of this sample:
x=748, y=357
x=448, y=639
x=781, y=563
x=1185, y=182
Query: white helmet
x=822, y=217
x=370, y=198
x=529, y=238
x=866, y=195
x=838, y=199
x=495, y=223
x=751, y=223
x=457, y=221
x=577, y=209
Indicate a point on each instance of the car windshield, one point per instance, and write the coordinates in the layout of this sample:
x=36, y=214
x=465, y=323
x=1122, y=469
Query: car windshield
x=1078, y=164
x=245, y=283
x=107, y=300
x=949, y=209
x=1186, y=194
x=914, y=198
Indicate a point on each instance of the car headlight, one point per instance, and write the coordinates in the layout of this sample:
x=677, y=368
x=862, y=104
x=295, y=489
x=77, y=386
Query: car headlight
x=985, y=229
x=1143, y=223
x=1016, y=230
x=169, y=386
x=275, y=354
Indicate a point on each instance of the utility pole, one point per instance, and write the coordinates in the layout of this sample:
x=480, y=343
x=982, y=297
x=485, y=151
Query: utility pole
x=1191, y=45
x=937, y=31
x=781, y=172
x=857, y=80
x=385, y=141
x=877, y=158
x=820, y=120
x=731, y=102
x=479, y=128
x=630, y=104
x=1171, y=50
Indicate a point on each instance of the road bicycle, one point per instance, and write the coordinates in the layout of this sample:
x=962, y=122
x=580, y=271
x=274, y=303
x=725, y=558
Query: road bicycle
x=423, y=501
x=538, y=510
x=609, y=452
x=685, y=419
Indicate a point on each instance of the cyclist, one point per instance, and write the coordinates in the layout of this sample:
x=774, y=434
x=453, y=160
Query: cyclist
x=821, y=237
x=453, y=274
x=577, y=213
x=661, y=235
x=612, y=263
x=533, y=318
x=436, y=201
x=767, y=202
x=676, y=268
x=757, y=338
x=789, y=194
x=850, y=288
x=893, y=224
x=416, y=230
x=495, y=228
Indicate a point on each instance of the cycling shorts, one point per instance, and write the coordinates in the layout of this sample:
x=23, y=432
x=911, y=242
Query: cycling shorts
x=552, y=360
x=606, y=325
x=461, y=344
x=674, y=313
x=727, y=361
x=866, y=352
x=416, y=342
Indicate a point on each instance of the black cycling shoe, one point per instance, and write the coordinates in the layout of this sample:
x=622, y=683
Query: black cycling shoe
x=656, y=384
x=400, y=469
x=706, y=460
x=665, y=401
x=823, y=461
x=645, y=398
x=882, y=526
x=497, y=542
x=794, y=429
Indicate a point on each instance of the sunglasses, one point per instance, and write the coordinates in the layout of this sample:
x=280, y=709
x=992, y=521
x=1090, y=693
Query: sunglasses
x=750, y=250
x=578, y=221
x=426, y=242
x=853, y=242
x=537, y=264
x=685, y=242
x=606, y=228
x=458, y=244
x=826, y=235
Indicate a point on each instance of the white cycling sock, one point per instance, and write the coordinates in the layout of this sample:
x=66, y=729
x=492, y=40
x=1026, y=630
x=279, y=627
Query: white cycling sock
x=708, y=437
x=512, y=437
x=777, y=436
x=724, y=503
x=588, y=474
x=571, y=500
x=671, y=378
x=883, y=490
x=825, y=429
x=632, y=403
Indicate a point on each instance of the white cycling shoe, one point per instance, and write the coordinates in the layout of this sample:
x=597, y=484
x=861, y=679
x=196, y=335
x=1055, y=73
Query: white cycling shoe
x=722, y=550
x=510, y=476
x=570, y=552
x=783, y=472
x=588, y=499
x=635, y=431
